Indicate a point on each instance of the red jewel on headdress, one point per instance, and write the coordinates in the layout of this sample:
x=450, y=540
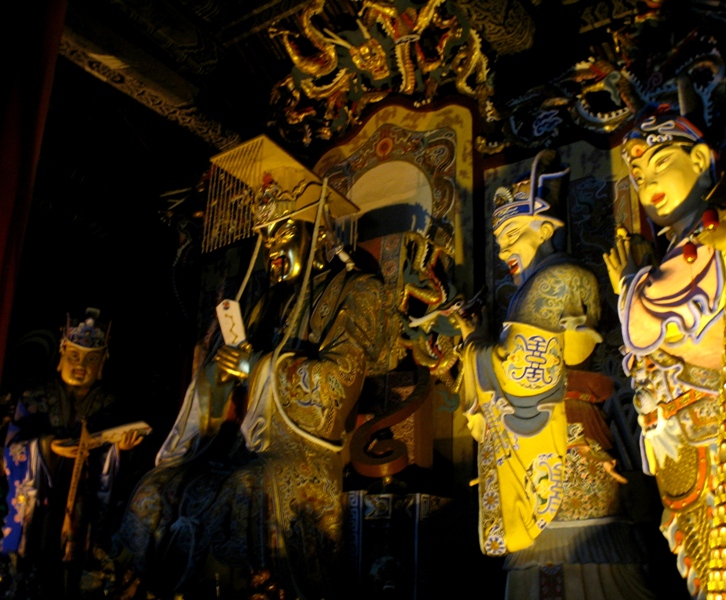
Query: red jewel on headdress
x=710, y=219
x=690, y=252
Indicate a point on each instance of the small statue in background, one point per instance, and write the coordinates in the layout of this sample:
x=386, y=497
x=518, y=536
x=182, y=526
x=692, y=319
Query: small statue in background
x=240, y=492
x=672, y=324
x=60, y=489
x=547, y=485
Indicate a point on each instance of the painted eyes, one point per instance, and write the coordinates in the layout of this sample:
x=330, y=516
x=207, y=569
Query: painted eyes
x=508, y=238
x=283, y=236
x=75, y=358
x=513, y=235
x=662, y=163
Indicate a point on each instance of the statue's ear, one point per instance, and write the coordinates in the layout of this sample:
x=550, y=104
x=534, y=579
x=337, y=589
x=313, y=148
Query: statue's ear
x=701, y=157
x=546, y=231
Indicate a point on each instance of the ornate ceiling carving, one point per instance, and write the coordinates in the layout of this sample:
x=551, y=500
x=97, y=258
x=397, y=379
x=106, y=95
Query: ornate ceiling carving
x=304, y=71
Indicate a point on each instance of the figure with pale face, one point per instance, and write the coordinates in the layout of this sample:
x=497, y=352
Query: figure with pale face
x=671, y=316
x=523, y=242
x=263, y=489
x=40, y=453
x=545, y=475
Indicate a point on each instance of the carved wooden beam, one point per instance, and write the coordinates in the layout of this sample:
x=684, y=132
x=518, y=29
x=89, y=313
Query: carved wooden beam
x=131, y=71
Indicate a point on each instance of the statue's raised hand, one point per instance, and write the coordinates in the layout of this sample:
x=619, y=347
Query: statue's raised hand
x=619, y=261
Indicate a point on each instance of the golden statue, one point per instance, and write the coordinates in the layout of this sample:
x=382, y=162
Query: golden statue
x=239, y=492
x=547, y=485
x=671, y=317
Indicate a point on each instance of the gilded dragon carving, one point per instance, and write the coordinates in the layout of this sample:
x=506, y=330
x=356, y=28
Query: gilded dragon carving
x=421, y=50
x=319, y=64
x=396, y=49
x=431, y=337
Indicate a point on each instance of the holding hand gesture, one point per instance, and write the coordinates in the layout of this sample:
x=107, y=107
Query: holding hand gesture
x=234, y=361
x=129, y=440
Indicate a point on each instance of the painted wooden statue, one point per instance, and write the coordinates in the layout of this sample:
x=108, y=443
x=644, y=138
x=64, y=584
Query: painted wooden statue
x=672, y=326
x=259, y=495
x=61, y=476
x=548, y=493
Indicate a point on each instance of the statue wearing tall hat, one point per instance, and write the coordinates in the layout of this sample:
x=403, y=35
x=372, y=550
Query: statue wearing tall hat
x=548, y=492
x=256, y=493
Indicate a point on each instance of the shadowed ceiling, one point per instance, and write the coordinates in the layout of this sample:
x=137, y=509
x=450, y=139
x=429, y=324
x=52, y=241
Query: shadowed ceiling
x=210, y=65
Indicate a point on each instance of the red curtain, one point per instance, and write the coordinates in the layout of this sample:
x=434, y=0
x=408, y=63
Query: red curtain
x=31, y=37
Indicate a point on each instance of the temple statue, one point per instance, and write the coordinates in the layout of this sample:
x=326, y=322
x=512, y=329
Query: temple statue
x=672, y=325
x=62, y=455
x=250, y=491
x=548, y=491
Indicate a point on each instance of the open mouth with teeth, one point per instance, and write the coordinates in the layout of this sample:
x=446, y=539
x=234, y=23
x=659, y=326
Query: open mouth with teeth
x=513, y=266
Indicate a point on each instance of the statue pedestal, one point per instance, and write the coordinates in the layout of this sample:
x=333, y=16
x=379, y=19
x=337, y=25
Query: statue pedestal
x=399, y=545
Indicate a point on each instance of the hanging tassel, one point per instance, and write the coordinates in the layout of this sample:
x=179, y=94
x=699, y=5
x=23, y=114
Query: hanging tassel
x=690, y=252
x=710, y=219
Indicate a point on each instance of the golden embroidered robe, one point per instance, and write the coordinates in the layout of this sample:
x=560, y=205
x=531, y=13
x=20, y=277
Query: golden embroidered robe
x=546, y=499
x=270, y=496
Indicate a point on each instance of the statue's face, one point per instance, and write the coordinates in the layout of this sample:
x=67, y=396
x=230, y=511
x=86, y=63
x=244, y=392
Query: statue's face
x=81, y=367
x=518, y=245
x=667, y=179
x=286, y=248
